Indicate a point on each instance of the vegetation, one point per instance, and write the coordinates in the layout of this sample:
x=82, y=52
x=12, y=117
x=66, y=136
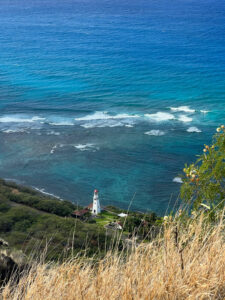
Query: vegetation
x=32, y=222
x=115, y=209
x=106, y=217
x=29, y=218
x=183, y=262
x=204, y=181
x=35, y=230
x=135, y=222
x=185, y=259
x=32, y=198
x=141, y=224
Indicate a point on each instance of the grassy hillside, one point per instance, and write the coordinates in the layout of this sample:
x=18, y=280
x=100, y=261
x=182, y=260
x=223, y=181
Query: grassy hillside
x=45, y=225
x=186, y=261
x=33, y=222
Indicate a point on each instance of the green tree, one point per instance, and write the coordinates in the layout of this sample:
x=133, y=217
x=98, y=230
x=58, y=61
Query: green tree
x=204, y=181
x=4, y=206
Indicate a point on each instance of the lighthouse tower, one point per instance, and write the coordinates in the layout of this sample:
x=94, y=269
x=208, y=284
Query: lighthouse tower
x=96, y=209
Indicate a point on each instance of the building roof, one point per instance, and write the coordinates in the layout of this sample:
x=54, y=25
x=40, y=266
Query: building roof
x=80, y=213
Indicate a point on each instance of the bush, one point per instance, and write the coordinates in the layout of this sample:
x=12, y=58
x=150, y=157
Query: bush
x=4, y=207
x=5, y=224
x=54, y=207
x=27, y=196
x=204, y=181
x=22, y=225
x=16, y=198
x=92, y=221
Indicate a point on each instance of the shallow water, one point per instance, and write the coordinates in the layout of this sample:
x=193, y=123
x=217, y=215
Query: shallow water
x=115, y=96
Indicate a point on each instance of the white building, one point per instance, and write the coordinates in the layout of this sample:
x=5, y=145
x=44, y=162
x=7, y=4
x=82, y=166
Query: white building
x=122, y=215
x=96, y=208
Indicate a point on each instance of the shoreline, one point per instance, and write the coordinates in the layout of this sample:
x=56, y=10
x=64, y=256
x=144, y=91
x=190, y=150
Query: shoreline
x=53, y=196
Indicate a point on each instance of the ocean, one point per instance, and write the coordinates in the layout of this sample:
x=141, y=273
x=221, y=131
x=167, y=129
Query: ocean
x=113, y=95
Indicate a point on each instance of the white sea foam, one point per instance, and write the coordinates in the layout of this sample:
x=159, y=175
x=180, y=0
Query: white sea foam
x=46, y=193
x=86, y=147
x=62, y=123
x=160, y=116
x=178, y=180
x=15, y=131
x=53, y=149
x=88, y=125
x=129, y=125
x=155, y=132
x=184, y=118
x=52, y=132
x=116, y=124
x=103, y=115
x=184, y=108
x=193, y=129
x=204, y=111
x=37, y=118
x=19, y=119
x=57, y=146
x=81, y=147
x=102, y=124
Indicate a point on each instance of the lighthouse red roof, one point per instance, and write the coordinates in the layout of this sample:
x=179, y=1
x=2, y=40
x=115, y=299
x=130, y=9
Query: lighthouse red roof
x=96, y=191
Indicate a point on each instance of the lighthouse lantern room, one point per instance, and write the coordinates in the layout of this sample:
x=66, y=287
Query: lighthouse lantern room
x=96, y=209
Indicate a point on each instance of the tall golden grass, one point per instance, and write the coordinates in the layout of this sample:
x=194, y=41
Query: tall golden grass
x=186, y=261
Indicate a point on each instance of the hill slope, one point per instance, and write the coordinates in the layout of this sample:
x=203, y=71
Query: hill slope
x=46, y=226
x=185, y=262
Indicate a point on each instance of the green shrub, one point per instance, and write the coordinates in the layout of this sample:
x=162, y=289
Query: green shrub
x=204, y=181
x=22, y=225
x=5, y=224
x=4, y=207
x=92, y=221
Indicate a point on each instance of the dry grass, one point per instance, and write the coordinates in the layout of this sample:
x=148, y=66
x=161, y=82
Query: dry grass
x=185, y=262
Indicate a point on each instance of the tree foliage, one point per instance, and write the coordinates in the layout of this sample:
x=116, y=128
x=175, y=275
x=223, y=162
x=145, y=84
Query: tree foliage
x=22, y=195
x=204, y=180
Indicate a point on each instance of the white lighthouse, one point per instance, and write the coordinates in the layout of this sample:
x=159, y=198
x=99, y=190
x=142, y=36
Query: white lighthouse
x=96, y=209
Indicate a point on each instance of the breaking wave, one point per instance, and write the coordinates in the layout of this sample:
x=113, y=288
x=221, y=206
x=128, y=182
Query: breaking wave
x=160, y=116
x=62, y=123
x=8, y=131
x=99, y=115
x=86, y=147
x=178, y=180
x=184, y=108
x=204, y=111
x=81, y=147
x=102, y=124
x=19, y=119
x=193, y=129
x=184, y=118
x=99, y=119
x=155, y=132
x=104, y=119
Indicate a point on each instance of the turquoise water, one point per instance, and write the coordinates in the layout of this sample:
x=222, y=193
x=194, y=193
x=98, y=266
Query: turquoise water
x=109, y=95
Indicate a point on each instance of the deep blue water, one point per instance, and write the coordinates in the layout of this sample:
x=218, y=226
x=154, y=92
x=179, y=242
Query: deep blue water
x=86, y=90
